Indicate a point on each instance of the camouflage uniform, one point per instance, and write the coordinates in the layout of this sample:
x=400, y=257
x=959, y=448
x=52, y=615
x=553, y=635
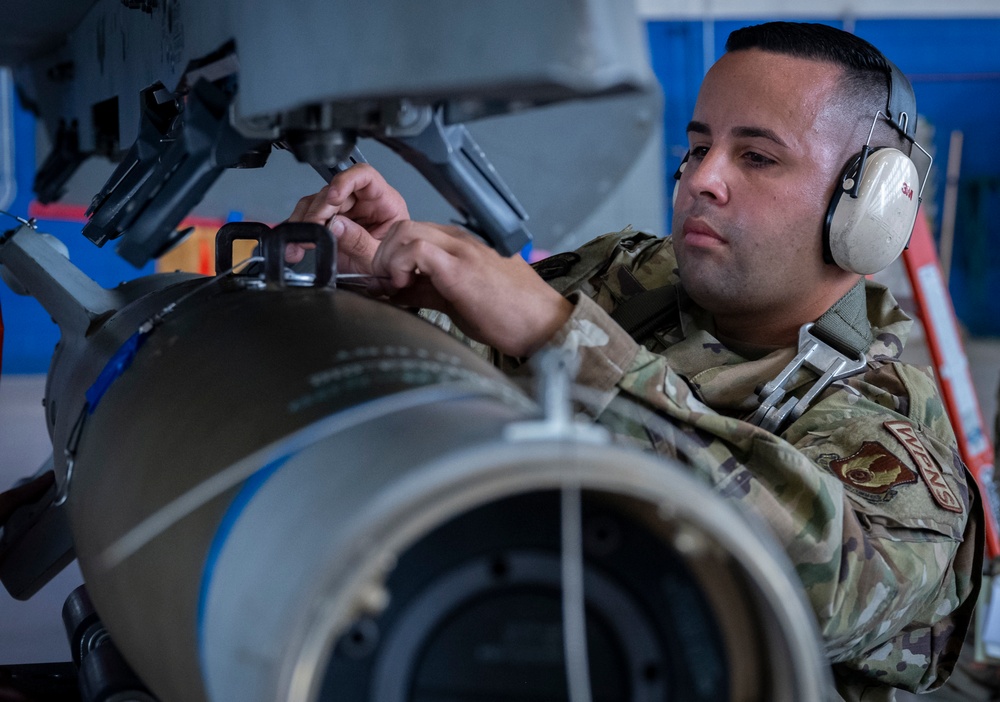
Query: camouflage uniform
x=865, y=490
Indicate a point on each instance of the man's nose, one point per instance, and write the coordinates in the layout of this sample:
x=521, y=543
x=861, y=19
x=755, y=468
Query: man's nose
x=709, y=177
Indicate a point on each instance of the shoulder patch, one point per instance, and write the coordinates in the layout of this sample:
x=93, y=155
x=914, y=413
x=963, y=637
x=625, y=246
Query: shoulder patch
x=873, y=471
x=942, y=494
x=556, y=266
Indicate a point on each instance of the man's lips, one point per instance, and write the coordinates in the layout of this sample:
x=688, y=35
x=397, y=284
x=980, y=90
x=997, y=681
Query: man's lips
x=698, y=233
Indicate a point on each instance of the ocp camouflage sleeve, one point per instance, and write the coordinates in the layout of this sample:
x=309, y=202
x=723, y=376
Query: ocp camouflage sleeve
x=865, y=492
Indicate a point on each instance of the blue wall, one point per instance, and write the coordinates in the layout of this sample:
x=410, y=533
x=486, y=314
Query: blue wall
x=955, y=68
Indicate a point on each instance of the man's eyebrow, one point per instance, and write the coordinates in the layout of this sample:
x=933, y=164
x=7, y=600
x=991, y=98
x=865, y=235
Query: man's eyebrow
x=761, y=132
x=742, y=132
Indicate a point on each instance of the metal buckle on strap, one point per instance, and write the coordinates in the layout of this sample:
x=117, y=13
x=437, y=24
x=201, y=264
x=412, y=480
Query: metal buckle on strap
x=818, y=356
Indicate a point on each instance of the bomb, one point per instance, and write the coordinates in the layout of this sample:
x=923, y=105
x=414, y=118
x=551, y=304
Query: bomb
x=279, y=489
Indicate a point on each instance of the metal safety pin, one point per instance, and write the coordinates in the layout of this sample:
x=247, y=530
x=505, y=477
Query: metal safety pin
x=348, y=278
x=818, y=356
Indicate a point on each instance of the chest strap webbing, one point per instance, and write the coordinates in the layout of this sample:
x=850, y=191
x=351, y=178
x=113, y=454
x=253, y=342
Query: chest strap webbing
x=834, y=347
x=647, y=312
x=845, y=326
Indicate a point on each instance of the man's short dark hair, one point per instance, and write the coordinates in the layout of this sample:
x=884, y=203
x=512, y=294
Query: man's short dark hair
x=866, y=72
x=819, y=42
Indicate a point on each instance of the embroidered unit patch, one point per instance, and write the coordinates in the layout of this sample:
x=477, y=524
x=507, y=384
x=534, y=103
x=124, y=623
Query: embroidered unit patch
x=873, y=471
x=929, y=469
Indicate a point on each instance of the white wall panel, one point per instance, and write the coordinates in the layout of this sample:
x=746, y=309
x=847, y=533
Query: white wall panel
x=802, y=9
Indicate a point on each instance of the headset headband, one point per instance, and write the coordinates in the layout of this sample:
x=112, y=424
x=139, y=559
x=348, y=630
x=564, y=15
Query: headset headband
x=902, y=103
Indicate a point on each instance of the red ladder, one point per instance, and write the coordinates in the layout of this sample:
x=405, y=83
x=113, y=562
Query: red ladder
x=952, y=368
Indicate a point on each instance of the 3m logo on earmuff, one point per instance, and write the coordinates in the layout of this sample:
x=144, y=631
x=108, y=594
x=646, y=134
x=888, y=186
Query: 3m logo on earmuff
x=907, y=190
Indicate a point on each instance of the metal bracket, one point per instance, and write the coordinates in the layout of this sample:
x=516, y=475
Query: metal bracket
x=60, y=165
x=166, y=174
x=554, y=370
x=816, y=355
x=451, y=160
x=75, y=302
x=35, y=543
x=271, y=243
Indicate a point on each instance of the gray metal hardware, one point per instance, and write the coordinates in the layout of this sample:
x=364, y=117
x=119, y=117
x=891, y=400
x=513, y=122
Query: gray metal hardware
x=816, y=355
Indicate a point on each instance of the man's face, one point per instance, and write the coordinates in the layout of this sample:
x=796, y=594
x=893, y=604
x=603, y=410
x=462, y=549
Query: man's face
x=767, y=143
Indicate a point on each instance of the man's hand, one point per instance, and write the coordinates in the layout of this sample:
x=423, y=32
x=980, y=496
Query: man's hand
x=358, y=207
x=498, y=301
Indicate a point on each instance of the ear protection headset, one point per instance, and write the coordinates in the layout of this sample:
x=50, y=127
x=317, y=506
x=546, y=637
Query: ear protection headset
x=872, y=211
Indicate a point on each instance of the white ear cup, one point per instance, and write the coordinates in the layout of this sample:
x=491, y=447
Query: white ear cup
x=867, y=233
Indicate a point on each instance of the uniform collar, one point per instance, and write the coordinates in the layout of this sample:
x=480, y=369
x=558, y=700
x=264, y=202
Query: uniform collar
x=726, y=376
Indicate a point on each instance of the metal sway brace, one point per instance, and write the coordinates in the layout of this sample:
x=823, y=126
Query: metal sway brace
x=816, y=355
